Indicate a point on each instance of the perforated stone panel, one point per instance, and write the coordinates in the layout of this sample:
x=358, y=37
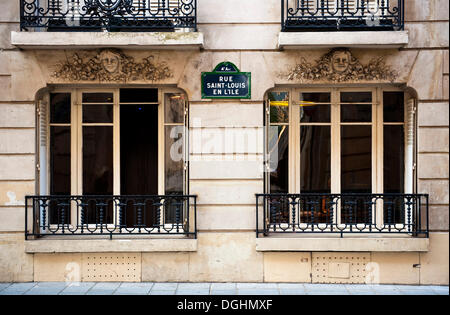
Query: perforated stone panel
x=123, y=267
x=339, y=267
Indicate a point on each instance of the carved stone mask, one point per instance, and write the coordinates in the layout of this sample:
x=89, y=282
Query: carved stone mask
x=110, y=61
x=340, y=61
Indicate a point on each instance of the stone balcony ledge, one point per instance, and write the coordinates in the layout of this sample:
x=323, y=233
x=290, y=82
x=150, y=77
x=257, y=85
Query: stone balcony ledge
x=316, y=40
x=348, y=244
x=95, y=40
x=68, y=245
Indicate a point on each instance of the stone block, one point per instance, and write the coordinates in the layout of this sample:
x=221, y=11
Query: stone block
x=396, y=268
x=287, y=267
x=433, y=165
x=434, y=264
x=226, y=257
x=15, y=141
x=15, y=264
x=433, y=114
x=17, y=167
x=162, y=267
x=226, y=115
x=437, y=189
x=17, y=115
x=227, y=192
x=226, y=218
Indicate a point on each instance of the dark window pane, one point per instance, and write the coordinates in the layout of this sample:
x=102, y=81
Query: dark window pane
x=316, y=97
x=60, y=108
x=315, y=113
x=98, y=170
x=59, y=211
x=356, y=173
x=356, y=159
x=311, y=112
x=393, y=172
x=139, y=161
x=279, y=159
x=98, y=97
x=393, y=106
x=174, y=108
x=97, y=113
x=138, y=95
x=315, y=159
x=356, y=113
x=356, y=97
x=279, y=107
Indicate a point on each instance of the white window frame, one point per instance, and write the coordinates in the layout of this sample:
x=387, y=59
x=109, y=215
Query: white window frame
x=335, y=128
x=76, y=130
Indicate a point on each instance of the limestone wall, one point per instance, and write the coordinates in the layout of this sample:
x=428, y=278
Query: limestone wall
x=244, y=32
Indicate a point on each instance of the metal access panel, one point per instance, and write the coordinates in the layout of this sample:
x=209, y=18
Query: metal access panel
x=123, y=267
x=339, y=267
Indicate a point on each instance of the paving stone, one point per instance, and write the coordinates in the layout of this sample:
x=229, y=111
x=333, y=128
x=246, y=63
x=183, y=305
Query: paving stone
x=79, y=288
x=292, y=292
x=104, y=288
x=264, y=286
x=47, y=288
x=18, y=288
x=193, y=292
x=291, y=286
x=193, y=286
x=165, y=286
x=134, y=289
x=223, y=286
x=162, y=292
x=223, y=292
x=257, y=291
x=417, y=292
x=330, y=292
x=4, y=286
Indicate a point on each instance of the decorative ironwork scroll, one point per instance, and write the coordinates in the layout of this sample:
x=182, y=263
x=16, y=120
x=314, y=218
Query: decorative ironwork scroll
x=110, y=15
x=112, y=65
x=340, y=65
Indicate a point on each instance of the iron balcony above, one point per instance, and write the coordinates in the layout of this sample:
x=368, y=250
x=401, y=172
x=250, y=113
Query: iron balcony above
x=342, y=15
x=108, y=15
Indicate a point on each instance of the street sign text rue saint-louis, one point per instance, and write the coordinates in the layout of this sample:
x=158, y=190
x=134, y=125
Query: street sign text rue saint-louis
x=226, y=81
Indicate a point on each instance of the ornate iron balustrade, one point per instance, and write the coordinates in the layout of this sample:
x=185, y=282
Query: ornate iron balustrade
x=342, y=214
x=110, y=15
x=335, y=15
x=110, y=215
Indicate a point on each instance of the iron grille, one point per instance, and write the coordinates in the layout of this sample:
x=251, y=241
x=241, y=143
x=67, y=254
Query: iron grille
x=342, y=15
x=342, y=213
x=109, y=15
x=110, y=215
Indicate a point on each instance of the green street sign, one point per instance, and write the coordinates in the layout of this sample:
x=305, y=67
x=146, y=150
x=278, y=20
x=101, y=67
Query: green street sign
x=226, y=82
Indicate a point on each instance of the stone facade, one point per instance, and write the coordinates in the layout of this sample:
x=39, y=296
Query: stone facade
x=226, y=176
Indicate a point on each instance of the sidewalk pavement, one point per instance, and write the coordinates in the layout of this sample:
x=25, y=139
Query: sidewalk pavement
x=150, y=288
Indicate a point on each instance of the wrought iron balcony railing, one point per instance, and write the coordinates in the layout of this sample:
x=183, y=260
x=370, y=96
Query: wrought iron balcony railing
x=342, y=214
x=335, y=15
x=108, y=15
x=110, y=215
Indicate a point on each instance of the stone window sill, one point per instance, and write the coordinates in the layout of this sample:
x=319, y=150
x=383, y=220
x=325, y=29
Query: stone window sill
x=349, y=244
x=122, y=40
x=315, y=40
x=110, y=246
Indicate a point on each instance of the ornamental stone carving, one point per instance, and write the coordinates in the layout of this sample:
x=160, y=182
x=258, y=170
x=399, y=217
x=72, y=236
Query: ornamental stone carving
x=112, y=65
x=339, y=65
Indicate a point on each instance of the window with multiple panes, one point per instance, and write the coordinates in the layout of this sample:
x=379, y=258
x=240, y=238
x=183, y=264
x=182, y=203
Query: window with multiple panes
x=338, y=141
x=126, y=141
